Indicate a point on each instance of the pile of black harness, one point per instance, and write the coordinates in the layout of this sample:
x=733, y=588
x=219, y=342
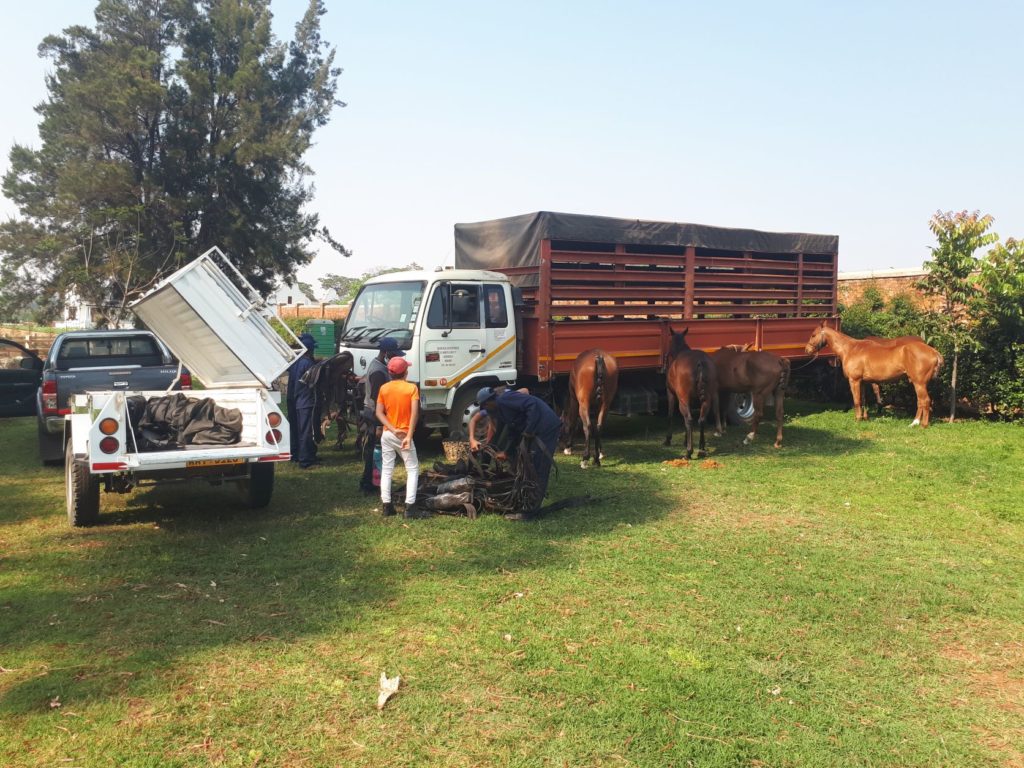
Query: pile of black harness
x=176, y=422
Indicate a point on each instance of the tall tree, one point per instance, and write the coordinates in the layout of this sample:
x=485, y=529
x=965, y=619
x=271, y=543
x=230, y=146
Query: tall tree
x=169, y=127
x=346, y=288
x=949, y=277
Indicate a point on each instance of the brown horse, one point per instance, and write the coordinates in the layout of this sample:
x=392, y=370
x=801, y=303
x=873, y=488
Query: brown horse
x=866, y=360
x=691, y=375
x=593, y=381
x=331, y=381
x=759, y=373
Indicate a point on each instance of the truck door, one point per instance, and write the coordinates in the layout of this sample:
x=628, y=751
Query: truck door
x=453, y=339
x=499, y=331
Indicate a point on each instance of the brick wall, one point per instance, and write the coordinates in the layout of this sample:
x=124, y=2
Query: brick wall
x=851, y=286
x=323, y=311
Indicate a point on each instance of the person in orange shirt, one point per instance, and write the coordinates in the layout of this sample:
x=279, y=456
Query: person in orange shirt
x=398, y=409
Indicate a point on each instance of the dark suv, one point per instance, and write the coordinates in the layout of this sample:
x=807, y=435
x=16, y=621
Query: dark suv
x=99, y=361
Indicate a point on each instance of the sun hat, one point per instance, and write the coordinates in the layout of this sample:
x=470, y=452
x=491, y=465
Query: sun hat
x=485, y=394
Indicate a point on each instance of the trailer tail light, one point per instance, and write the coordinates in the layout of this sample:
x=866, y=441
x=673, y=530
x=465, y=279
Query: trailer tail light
x=185, y=382
x=274, y=419
x=274, y=436
x=108, y=426
x=50, y=397
x=109, y=445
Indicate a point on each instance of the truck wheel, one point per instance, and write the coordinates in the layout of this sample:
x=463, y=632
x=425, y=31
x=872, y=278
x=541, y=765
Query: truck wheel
x=260, y=485
x=462, y=410
x=739, y=409
x=82, y=490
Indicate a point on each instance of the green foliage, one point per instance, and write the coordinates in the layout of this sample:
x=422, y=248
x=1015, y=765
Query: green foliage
x=949, y=271
x=168, y=128
x=996, y=367
x=296, y=324
x=346, y=288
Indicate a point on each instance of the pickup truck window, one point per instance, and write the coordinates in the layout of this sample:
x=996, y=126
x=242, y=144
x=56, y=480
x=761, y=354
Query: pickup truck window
x=122, y=350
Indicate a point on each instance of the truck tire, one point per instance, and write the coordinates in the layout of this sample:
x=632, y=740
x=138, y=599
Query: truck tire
x=739, y=409
x=463, y=409
x=260, y=485
x=81, y=489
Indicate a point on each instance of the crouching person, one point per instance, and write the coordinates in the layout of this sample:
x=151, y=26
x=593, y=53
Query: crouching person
x=528, y=419
x=398, y=410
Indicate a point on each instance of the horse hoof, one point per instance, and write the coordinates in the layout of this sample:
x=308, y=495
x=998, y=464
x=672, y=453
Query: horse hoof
x=583, y=465
x=778, y=443
x=668, y=441
x=718, y=434
x=567, y=451
x=915, y=423
x=600, y=457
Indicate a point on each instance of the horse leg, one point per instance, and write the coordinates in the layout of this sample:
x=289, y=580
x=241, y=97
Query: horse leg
x=855, y=391
x=924, y=404
x=702, y=417
x=587, y=429
x=684, y=409
x=570, y=418
x=671, y=397
x=877, y=389
x=780, y=395
x=716, y=398
x=758, y=398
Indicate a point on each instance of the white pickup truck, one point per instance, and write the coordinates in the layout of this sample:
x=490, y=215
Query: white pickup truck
x=225, y=340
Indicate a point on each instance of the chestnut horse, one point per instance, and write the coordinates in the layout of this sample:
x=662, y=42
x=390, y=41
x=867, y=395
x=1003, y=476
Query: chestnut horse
x=759, y=373
x=593, y=381
x=690, y=376
x=866, y=360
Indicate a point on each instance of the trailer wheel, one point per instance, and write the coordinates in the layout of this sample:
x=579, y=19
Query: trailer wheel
x=739, y=409
x=82, y=491
x=260, y=485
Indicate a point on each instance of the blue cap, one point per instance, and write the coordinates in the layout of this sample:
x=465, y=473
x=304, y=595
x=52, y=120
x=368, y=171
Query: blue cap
x=485, y=394
x=308, y=341
x=390, y=345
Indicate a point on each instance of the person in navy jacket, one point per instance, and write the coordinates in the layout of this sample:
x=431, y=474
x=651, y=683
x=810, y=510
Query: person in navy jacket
x=300, y=407
x=529, y=419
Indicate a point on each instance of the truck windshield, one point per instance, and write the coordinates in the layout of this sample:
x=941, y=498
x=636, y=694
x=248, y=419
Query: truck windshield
x=384, y=309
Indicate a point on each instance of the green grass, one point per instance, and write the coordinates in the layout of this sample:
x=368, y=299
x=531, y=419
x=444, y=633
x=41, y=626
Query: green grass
x=854, y=599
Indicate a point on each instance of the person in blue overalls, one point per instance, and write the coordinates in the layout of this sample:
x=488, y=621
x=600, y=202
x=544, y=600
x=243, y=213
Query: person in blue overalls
x=300, y=408
x=528, y=419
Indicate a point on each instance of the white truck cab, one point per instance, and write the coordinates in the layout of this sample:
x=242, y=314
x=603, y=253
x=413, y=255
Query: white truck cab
x=456, y=326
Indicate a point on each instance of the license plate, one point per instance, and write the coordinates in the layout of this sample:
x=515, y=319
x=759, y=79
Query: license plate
x=213, y=462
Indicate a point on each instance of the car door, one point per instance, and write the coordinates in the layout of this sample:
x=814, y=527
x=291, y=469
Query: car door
x=20, y=373
x=453, y=338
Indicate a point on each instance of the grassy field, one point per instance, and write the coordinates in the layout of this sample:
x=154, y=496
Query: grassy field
x=854, y=599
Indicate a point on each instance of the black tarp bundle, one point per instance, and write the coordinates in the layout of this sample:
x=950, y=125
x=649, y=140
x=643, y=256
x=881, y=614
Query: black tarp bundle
x=174, y=422
x=515, y=241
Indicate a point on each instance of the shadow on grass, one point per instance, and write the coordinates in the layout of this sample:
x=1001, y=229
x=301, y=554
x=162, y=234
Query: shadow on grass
x=174, y=572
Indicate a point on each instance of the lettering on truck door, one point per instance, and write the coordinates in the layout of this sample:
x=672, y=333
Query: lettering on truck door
x=453, y=339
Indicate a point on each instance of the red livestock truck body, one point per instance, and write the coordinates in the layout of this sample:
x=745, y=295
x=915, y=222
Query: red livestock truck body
x=625, y=285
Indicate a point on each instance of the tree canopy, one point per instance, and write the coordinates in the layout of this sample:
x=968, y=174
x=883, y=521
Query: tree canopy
x=169, y=127
x=346, y=288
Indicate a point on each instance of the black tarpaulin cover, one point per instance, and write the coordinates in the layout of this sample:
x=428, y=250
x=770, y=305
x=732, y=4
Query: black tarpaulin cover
x=515, y=241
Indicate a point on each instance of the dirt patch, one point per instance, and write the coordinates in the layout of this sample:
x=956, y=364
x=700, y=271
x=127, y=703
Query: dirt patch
x=676, y=463
x=710, y=464
x=991, y=671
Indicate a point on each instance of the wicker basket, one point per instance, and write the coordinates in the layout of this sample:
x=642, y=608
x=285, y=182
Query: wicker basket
x=455, y=450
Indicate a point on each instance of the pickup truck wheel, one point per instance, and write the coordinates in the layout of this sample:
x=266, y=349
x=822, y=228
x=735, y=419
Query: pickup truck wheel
x=82, y=490
x=260, y=485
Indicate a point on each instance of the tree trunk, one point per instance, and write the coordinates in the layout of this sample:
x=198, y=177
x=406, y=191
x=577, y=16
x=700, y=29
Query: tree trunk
x=952, y=387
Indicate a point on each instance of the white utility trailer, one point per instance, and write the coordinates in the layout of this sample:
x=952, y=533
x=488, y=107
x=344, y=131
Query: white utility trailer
x=224, y=338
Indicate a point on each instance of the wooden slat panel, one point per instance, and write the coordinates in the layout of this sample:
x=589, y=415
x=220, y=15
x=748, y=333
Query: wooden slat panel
x=602, y=275
x=561, y=292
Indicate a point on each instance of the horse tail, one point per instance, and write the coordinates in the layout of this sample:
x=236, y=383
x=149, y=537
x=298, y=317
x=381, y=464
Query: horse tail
x=784, y=370
x=598, y=379
x=702, y=379
x=939, y=360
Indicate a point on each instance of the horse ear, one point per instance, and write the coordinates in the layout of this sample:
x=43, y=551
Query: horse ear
x=684, y=332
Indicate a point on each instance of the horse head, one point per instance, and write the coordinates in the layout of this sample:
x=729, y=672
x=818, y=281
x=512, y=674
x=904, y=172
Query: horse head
x=678, y=343
x=817, y=340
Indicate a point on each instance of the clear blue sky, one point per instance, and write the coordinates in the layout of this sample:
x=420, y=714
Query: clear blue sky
x=856, y=119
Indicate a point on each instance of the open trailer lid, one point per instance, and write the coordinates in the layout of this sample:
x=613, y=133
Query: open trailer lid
x=515, y=241
x=222, y=337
